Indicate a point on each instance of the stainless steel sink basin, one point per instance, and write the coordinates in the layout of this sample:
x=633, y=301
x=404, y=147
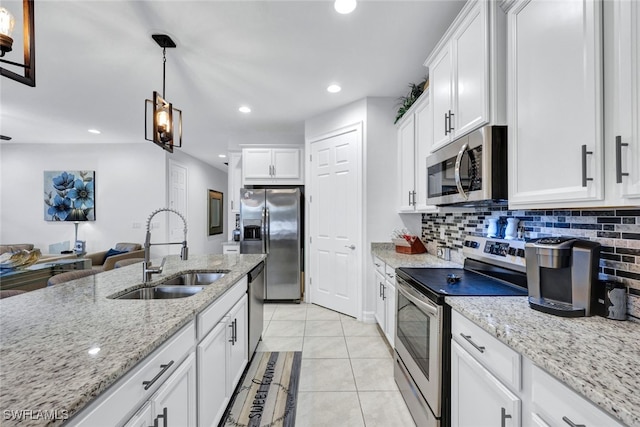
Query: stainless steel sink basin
x=196, y=278
x=162, y=292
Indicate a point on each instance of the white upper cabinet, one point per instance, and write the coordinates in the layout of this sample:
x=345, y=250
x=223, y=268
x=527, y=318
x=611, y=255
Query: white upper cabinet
x=622, y=102
x=414, y=144
x=235, y=182
x=466, y=73
x=555, y=102
x=263, y=166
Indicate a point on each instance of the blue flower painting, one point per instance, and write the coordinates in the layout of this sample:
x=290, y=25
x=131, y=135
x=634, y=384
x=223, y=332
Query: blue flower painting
x=69, y=196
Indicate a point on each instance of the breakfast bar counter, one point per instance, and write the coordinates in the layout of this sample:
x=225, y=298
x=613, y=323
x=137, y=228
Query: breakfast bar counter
x=62, y=346
x=596, y=357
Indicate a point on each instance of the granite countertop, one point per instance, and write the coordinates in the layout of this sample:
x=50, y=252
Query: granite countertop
x=387, y=253
x=596, y=357
x=45, y=335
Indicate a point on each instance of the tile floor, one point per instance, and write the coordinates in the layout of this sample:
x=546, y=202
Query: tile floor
x=347, y=367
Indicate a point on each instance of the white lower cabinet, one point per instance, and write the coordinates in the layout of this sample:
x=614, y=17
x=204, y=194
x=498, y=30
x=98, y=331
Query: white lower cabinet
x=213, y=395
x=385, y=299
x=478, y=398
x=492, y=385
x=176, y=398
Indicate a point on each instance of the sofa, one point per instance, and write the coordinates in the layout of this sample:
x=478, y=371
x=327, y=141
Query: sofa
x=14, y=247
x=104, y=261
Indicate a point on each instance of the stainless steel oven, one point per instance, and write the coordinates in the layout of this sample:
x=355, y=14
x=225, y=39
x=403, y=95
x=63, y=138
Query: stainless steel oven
x=419, y=352
x=470, y=170
x=422, y=370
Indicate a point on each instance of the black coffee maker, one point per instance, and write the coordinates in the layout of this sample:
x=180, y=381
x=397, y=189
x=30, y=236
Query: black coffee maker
x=562, y=275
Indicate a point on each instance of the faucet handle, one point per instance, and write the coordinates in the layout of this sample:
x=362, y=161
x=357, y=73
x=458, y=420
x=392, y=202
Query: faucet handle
x=184, y=252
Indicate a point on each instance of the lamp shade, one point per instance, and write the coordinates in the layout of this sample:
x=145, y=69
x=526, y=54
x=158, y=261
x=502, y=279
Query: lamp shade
x=7, y=22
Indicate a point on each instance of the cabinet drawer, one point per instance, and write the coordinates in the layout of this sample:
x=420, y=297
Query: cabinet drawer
x=390, y=273
x=559, y=406
x=210, y=316
x=123, y=398
x=501, y=360
x=379, y=265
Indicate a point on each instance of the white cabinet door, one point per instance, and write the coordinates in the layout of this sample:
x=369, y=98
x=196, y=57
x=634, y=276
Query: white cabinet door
x=176, y=398
x=237, y=339
x=235, y=181
x=213, y=395
x=286, y=163
x=622, y=89
x=555, y=102
x=406, y=164
x=390, y=312
x=423, y=142
x=471, y=82
x=441, y=94
x=380, y=305
x=478, y=399
x=256, y=164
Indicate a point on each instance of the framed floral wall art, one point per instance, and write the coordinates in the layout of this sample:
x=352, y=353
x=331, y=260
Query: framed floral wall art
x=69, y=196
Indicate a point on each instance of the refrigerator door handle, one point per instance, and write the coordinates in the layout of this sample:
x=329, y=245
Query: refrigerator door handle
x=267, y=236
x=263, y=230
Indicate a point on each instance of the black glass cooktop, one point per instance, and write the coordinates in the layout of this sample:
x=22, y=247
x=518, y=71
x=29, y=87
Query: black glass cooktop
x=438, y=283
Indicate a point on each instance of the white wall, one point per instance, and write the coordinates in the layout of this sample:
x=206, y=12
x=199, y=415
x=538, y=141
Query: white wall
x=130, y=182
x=201, y=178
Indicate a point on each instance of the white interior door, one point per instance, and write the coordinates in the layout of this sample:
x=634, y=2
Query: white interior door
x=335, y=222
x=177, y=201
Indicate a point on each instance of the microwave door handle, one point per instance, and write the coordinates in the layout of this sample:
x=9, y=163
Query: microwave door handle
x=457, y=171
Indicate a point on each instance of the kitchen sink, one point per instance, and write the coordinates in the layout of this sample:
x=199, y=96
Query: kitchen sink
x=181, y=286
x=195, y=278
x=162, y=292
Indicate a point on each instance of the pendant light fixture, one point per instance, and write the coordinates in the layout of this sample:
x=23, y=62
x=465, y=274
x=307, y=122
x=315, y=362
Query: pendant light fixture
x=166, y=121
x=7, y=22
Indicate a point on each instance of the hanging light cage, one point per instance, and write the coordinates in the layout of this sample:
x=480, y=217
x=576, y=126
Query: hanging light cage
x=29, y=75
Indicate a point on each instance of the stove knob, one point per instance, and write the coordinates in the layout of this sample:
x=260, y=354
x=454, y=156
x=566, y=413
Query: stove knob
x=511, y=251
x=520, y=253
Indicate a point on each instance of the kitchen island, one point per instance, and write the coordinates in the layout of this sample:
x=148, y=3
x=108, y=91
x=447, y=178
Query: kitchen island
x=595, y=357
x=62, y=346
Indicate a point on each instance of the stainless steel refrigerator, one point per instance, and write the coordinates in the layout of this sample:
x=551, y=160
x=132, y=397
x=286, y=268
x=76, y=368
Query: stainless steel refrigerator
x=270, y=223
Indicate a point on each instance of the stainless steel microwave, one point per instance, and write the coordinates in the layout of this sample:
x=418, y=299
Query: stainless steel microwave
x=471, y=170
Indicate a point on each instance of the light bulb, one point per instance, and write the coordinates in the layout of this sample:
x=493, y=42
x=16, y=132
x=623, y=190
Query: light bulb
x=345, y=6
x=163, y=121
x=7, y=22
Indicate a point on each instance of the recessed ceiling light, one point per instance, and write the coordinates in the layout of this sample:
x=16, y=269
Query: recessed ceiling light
x=334, y=88
x=345, y=6
x=222, y=156
x=93, y=351
x=94, y=131
x=244, y=109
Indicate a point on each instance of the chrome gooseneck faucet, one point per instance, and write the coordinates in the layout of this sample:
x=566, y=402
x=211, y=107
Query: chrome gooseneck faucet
x=147, y=269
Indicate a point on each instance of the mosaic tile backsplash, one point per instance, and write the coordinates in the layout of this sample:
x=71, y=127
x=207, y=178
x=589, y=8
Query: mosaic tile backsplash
x=617, y=230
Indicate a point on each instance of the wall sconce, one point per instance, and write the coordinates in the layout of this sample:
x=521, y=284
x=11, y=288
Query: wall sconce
x=7, y=22
x=166, y=129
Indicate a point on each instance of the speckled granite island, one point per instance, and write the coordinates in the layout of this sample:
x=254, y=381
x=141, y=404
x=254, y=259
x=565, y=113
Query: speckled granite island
x=46, y=335
x=598, y=358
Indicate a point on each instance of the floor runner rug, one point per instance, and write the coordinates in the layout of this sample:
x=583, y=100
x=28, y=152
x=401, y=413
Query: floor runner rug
x=269, y=391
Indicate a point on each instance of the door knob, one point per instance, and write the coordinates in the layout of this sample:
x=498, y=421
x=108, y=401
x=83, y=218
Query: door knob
x=352, y=247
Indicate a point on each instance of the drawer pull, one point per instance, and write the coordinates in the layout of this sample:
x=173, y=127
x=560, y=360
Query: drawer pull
x=377, y=265
x=571, y=423
x=504, y=417
x=468, y=338
x=164, y=368
x=163, y=416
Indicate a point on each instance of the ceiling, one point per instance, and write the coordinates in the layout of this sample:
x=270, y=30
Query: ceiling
x=96, y=63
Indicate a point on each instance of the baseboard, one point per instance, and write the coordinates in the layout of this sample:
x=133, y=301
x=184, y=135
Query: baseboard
x=369, y=316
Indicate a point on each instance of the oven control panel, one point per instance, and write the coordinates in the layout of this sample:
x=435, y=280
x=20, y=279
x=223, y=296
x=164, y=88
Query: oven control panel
x=507, y=251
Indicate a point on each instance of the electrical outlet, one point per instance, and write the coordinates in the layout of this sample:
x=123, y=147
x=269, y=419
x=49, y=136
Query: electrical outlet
x=442, y=235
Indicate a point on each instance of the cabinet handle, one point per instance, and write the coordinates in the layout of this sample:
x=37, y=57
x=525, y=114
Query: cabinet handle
x=446, y=124
x=468, y=338
x=384, y=296
x=584, y=165
x=232, y=205
x=163, y=416
x=376, y=264
x=619, y=173
x=571, y=423
x=380, y=291
x=164, y=368
x=450, y=125
x=504, y=416
x=231, y=339
x=235, y=331
x=414, y=198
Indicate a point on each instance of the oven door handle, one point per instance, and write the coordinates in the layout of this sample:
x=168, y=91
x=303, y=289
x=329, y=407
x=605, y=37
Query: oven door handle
x=457, y=171
x=416, y=298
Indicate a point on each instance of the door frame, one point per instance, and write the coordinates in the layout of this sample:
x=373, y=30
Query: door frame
x=356, y=127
